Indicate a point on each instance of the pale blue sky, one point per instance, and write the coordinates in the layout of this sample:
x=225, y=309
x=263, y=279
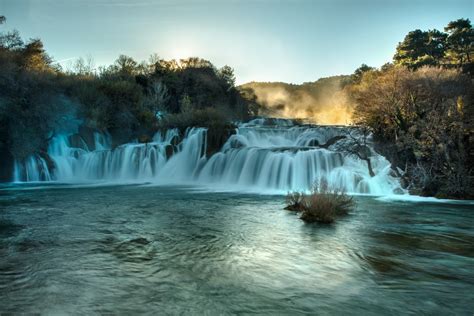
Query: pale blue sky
x=264, y=40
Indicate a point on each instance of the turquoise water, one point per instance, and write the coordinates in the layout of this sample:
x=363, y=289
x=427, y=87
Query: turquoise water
x=176, y=250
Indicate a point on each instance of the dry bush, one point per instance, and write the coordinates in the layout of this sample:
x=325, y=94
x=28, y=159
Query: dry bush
x=294, y=201
x=322, y=205
x=422, y=122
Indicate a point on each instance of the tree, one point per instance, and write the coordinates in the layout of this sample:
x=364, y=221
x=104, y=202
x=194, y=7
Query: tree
x=460, y=41
x=226, y=74
x=359, y=72
x=251, y=100
x=11, y=40
x=421, y=48
x=186, y=104
x=84, y=66
x=436, y=46
x=2, y=19
x=157, y=96
x=356, y=143
x=195, y=62
x=124, y=66
x=34, y=57
x=419, y=121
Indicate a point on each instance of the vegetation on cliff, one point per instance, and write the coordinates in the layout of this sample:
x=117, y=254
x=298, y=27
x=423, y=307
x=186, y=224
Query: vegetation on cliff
x=422, y=121
x=130, y=100
x=420, y=110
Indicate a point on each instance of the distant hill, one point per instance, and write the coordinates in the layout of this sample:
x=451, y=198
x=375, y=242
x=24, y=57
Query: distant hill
x=323, y=101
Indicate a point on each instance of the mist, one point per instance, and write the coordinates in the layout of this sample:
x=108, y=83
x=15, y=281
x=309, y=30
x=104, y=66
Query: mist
x=322, y=102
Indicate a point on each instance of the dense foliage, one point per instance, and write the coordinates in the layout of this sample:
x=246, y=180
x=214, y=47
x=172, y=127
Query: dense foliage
x=418, y=108
x=38, y=99
x=421, y=113
x=452, y=48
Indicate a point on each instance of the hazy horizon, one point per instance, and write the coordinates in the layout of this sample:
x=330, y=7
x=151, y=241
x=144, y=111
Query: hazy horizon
x=291, y=41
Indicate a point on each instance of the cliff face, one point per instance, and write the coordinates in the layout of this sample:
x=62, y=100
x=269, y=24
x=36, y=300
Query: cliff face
x=6, y=166
x=217, y=137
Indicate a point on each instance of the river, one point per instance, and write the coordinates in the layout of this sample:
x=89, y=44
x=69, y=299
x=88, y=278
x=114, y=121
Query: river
x=154, y=249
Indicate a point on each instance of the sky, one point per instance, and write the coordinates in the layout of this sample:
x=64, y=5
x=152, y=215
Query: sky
x=263, y=40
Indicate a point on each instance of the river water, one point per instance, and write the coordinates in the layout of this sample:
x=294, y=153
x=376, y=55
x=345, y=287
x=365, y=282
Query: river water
x=179, y=250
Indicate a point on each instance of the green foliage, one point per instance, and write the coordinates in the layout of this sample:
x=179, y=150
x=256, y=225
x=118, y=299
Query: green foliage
x=421, y=48
x=207, y=117
x=202, y=83
x=185, y=104
x=226, y=74
x=39, y=100
x=219, y=128
x=31, y=112
x=460, y=41
x=33, y=106
x=359, y=72
x=436, y=48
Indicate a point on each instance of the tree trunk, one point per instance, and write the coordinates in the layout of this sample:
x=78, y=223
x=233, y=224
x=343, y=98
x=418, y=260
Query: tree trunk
x=369, y=166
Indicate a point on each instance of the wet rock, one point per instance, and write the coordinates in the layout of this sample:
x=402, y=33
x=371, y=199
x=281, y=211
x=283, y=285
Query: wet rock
x=398, y=191
x=6, y=167
x=314, y=143
x=332, y=141
x=49, y=161
x=83, y=138
x=217, y=136
x=235, y=143
x=140, y=240
x=169, y=151
x=144, y=139
x=175, y=140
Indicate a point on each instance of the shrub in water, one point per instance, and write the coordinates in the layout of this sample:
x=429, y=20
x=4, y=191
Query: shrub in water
x=322, y=205
x=294, y=201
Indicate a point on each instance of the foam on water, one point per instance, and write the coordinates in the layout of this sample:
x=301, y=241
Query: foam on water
x=259, y=158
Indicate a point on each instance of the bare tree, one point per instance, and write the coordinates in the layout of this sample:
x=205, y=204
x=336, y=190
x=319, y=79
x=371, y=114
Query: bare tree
x=157, y=96
x=357, y=143
x=11, y=40
x=84, y=66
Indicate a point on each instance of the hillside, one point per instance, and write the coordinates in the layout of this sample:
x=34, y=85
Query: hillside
x=323, y=101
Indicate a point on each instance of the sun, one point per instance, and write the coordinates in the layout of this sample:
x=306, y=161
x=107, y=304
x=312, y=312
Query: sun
x=182, y=51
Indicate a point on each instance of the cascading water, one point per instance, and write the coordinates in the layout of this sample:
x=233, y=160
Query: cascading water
x=260, y=157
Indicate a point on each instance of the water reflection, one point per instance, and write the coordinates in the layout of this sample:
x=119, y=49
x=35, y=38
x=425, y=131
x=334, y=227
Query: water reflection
x=132, y=249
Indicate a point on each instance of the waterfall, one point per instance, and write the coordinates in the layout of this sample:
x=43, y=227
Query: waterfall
x=261, y=156
x=33, y=169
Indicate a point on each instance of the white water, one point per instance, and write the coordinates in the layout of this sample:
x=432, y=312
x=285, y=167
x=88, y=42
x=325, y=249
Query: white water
x=258, y=158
